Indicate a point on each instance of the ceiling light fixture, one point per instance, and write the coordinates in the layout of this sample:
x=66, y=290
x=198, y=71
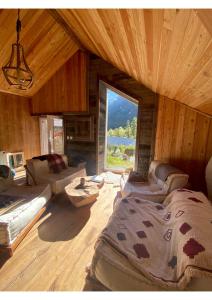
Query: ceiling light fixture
x=16, y=71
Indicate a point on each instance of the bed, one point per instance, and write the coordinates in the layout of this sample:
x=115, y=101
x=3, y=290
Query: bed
x=117, y=269
x=20, y=207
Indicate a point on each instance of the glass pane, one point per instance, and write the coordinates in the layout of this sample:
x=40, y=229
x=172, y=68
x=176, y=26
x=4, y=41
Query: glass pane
x=121, y=132
x=58, y=136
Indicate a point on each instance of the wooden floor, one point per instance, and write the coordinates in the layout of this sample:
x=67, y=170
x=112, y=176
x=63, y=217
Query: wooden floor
x=56, y=251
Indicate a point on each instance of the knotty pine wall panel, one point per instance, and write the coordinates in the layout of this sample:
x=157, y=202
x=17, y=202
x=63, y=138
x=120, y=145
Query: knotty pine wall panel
x=184, y=138
x=19, y=131
x=66, y=91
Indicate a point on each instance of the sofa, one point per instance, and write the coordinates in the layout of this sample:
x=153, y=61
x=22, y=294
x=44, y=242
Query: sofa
x=162, y=179
x=146, y=246
x=38, y=172
x=20, y=207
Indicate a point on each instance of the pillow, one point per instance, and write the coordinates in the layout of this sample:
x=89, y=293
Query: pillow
x=40, y=166
x=56, y=163
x=6, y=178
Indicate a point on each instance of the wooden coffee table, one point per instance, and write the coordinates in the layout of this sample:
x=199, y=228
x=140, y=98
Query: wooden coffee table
x=85, y=195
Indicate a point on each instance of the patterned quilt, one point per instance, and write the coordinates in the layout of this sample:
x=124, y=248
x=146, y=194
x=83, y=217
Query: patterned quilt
x=168, y=243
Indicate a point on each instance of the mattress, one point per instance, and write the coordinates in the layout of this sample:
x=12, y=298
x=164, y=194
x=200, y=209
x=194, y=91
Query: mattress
x=107, y=268
x=15, y=220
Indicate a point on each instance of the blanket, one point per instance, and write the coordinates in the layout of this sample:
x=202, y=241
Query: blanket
x=55, y=162
x=169, y=243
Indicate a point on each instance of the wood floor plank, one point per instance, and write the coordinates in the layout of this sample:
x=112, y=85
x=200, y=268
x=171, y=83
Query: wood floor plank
x=55, y=253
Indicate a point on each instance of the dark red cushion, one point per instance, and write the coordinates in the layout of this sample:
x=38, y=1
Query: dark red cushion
x=56, y=163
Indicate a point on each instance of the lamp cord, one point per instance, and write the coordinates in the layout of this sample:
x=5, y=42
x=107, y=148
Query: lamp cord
x=18, y=26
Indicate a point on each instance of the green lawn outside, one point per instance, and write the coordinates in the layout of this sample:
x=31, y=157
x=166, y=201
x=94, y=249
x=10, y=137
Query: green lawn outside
x=113, y=162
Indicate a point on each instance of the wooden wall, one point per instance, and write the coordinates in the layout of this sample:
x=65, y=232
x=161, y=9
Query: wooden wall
x=184, y=138
x=19, y=131
x=66, y=91
x=99, y=69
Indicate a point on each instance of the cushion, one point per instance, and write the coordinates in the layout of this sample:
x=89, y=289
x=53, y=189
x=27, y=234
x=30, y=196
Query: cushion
x=56, y=163
x=32, y=199
x=6, y=178
x=135, y=177
x=35, y=167
x=163, y=170
x=5, y=184
x=5, y=171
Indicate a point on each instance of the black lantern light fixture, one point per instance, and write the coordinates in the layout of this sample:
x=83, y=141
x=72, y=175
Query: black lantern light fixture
x=16, y=71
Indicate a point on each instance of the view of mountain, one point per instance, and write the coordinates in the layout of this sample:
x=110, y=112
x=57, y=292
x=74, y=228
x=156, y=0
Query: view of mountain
x=120, y=110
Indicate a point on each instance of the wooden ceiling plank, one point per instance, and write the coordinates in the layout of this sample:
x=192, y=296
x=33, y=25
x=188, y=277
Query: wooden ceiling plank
x=195, y=41
x=177, y=18
x=129, y=42
x=196, y=69
x=59, y=19
x=113, y=23
x=138, y=42
x=205, y=16
x=140, y=34
x=155, y=47
x=78, y=28
x=47, y=47
x=166, y=37
x=158, y=16
x=108, y=27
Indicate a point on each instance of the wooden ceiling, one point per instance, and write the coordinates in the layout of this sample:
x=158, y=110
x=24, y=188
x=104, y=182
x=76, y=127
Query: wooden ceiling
x=47, y=46
x=169, y=51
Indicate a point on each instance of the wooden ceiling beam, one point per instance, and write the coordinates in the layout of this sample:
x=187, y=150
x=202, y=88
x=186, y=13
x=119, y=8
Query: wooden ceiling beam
x=57, y=17
x=205, y=16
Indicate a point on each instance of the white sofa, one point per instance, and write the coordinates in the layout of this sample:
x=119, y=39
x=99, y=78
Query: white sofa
x=154, y=188
x=19, y=217
x=41, y=174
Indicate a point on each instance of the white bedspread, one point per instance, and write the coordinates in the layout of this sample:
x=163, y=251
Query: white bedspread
x=169, y=243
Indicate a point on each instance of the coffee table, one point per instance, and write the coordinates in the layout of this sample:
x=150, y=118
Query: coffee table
x=84, y=195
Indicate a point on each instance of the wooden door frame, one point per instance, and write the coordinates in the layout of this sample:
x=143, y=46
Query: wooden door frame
x=128, y=97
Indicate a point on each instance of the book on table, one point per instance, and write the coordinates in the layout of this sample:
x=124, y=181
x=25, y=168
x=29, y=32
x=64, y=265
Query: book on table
x=97, y=178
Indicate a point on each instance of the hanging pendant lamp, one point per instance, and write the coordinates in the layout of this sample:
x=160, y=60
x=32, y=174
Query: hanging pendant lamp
x=16, y=71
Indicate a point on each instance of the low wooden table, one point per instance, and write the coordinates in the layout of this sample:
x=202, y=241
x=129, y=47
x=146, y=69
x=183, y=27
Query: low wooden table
x=85, y=195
